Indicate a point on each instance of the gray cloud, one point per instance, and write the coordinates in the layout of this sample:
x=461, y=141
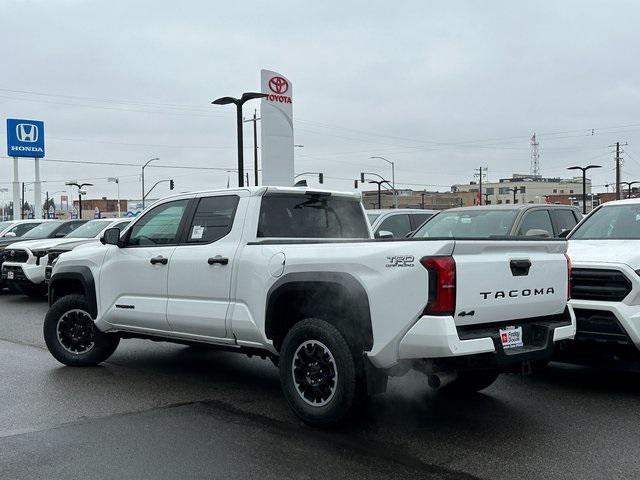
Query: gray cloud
x=439, y=87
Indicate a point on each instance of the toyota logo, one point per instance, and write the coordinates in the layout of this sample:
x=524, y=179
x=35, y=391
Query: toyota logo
x=278, y=85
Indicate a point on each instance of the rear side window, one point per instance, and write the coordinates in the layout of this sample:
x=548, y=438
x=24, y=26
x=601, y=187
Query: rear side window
x=418, y=219
x=67, y=228
x=311, y=216
x=536, y=220
x=565, y=219
x=397, y=224
x=213, y=219
x=23, y=228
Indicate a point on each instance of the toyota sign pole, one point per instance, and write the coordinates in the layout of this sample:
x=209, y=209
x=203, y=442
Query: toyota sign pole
x=276, y=127
x=25, y=138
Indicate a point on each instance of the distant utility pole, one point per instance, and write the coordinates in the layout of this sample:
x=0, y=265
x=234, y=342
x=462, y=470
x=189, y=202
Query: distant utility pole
x=480, y=174
x=618, y=145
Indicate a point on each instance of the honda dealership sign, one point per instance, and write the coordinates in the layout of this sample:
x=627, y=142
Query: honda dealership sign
x=25, y=138
x=277, y=129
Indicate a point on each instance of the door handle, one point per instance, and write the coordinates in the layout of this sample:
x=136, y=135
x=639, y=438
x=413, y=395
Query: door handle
x=218, y=259
x=159, y=259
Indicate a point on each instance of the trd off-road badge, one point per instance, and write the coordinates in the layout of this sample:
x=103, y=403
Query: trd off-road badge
x=400, y=261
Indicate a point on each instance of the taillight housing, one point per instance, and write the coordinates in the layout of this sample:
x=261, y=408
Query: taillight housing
x=442, y=285
x=569, y=277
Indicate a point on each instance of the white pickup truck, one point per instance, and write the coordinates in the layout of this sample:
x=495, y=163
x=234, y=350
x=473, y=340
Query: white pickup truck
x=294, y=274
x=606, y=284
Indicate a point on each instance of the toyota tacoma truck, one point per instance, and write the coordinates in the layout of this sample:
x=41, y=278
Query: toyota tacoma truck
x=604, y=250
x=295, y=275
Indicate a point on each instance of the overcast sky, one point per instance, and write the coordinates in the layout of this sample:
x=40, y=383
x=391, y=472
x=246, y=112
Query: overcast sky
x=440, y=87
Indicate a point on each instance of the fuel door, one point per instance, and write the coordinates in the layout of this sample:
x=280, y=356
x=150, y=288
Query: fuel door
x=276, y=264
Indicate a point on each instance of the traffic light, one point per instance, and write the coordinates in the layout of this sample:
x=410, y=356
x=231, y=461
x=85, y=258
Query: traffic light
x=361, y=177
x=171, y=185
x=355, y=184
x=321, y=178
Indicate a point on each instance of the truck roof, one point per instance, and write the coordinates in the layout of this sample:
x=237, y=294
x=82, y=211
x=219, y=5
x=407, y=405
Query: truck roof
x=511, y=206
x=380, y=211
x=261, y=190
x=628, y=201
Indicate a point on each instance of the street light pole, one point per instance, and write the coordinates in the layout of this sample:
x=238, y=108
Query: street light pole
x=80, y=187
x=393, y=179
x=116, y=180
x=629, y=184
x=238, y=102
x=143, y=167
x=515, y=191
x=584, y=184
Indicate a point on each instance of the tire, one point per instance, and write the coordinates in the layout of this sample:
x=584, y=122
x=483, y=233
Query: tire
x=325, y=391
x=72, y=337
x=471, y=381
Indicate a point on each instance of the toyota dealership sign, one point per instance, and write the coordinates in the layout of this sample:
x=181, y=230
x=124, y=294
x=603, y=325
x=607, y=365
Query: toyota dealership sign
x=277, y=129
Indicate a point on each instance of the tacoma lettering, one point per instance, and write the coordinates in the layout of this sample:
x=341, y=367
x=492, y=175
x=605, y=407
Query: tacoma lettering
x=518, y=293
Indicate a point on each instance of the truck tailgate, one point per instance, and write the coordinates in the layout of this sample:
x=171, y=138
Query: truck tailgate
x=503, y=280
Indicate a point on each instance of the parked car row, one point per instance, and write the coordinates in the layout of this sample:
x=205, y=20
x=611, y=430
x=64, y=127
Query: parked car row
x=24, y=259
x=298, y=276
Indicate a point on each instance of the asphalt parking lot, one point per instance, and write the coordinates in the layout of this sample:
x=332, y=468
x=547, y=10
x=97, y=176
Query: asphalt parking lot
x=157, y=410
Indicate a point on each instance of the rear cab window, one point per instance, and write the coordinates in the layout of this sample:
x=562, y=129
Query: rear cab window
x=311, y=215
x=564, y=219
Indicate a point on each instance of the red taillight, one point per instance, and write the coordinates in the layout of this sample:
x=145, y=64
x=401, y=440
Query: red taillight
x=442, y=285
x=569, y=277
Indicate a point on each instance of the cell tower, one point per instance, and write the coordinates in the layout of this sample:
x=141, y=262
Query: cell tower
x=534, y=169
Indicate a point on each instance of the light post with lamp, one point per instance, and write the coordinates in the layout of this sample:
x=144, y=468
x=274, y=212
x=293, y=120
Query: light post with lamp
x=393, y=179
x=238, y=102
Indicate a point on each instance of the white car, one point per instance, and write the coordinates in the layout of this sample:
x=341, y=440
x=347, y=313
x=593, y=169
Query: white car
x=294, y=274
x=397, y=222
x=605, y=251
x=25, y=262
x=17, y=228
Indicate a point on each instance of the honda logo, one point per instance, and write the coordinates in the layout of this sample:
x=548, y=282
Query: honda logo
x=27, y=132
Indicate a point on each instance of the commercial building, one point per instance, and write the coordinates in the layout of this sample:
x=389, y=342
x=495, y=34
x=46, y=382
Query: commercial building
x=418, y=199
x=108, y=208
x=529, y=189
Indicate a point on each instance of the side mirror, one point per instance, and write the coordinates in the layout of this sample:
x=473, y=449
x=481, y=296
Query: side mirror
x=60, y=235
x=10, y=234
x=111, y=236
x=538, y=233
x=564, y=233
x=383, y=234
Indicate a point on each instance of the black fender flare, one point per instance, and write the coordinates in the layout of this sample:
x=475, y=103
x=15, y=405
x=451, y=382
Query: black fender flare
x=356, y=294
x=80, y=274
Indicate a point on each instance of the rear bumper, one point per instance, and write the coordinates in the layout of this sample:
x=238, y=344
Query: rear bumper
x=440, y=340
